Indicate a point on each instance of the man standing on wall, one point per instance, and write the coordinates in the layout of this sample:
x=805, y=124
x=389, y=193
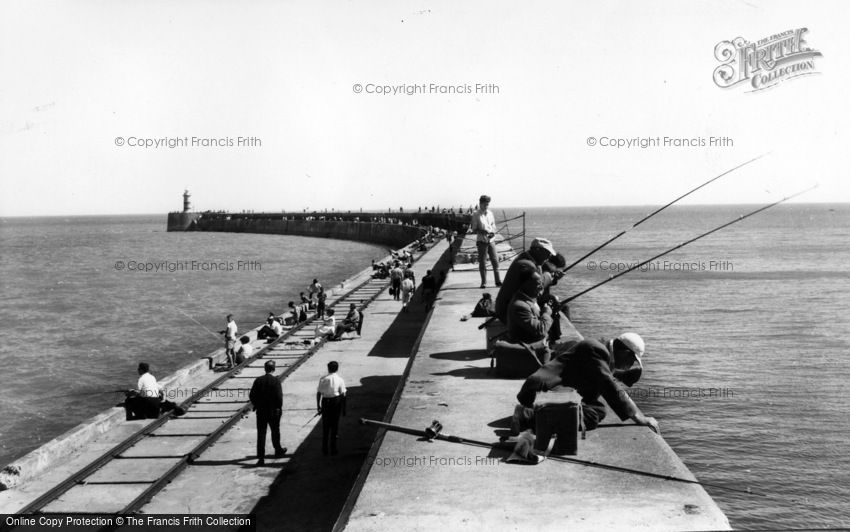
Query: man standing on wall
x=230, y=331
x=267, y=398
x=484, y=226
x=330, y=402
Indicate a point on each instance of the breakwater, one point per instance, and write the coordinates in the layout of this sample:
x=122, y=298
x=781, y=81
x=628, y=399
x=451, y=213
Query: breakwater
x=392, y=229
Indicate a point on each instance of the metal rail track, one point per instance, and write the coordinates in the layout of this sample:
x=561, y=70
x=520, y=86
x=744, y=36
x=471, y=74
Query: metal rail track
x=228, y=413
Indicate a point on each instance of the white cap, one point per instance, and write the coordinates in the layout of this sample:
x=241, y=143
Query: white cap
x=545, y=244
x=634, y=342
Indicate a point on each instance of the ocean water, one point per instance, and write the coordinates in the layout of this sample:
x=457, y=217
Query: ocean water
x=747, y=330
x=747, y=358
x=74, y=325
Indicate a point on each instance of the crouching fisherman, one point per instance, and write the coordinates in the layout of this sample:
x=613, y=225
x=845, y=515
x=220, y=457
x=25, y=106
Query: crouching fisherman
x=592, y=369
x=144, y=402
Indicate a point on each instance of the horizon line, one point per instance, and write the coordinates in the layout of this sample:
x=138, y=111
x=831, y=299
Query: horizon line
x=415, y=211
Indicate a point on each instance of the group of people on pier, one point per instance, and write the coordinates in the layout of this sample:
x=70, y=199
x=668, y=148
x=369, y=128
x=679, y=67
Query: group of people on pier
x=534, y=319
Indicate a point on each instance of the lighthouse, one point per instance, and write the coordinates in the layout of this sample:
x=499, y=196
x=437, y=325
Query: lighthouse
x=186, y=204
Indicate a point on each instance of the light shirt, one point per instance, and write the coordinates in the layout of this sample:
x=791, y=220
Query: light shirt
x=314, y=288
x=247, y=350
x=331, y=385
x=327, y=327
x=483, y=221
x=276, y=327
x=147, y=386
x=231, y=330
x=407, y=285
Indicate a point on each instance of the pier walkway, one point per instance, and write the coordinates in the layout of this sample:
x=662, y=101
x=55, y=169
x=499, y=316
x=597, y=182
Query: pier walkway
x=415, y=484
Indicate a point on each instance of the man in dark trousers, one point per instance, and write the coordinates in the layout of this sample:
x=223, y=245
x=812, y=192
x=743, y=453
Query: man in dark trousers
x=330, y=402
x=593, y=369
x=267, y=398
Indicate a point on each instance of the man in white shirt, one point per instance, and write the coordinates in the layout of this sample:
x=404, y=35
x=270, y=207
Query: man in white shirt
x=330, y=402
x=230, y=331
x=144, y=401
x=483, y=224
x=244, y=351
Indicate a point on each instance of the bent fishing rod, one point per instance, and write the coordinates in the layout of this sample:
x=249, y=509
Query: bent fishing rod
x=430, y=434
x=656, y=211
x=683, y=244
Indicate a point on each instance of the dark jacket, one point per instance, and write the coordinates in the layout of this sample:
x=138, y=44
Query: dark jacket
x=266, y=393
x=519, y=269
x=587, y=367
x=525, y=321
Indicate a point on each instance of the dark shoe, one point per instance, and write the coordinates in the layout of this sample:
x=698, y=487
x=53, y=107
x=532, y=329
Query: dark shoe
x=483, y=285
x=261, y=461
x=280, y=453
x=498, y=283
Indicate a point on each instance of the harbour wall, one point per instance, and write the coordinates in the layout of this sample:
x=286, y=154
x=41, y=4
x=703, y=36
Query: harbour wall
x=57, y=450
x=391, y=229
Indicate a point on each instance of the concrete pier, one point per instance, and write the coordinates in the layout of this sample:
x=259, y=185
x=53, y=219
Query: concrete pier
x=416, y=485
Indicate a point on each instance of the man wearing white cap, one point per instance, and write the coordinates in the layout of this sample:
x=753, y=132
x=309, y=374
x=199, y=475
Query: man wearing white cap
x=593, y=370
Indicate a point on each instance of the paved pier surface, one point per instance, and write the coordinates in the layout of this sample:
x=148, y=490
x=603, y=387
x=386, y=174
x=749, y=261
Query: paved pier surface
x=304, y=490
x=419, y=485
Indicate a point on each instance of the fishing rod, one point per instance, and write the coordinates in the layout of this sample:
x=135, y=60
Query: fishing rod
x=83, y=394
x=431, y=434
x=317, y=414
x=647, y=217
x=217, y=335
x=683, y=244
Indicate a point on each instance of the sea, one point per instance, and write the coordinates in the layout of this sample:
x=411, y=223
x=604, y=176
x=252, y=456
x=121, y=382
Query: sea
x=747, y=329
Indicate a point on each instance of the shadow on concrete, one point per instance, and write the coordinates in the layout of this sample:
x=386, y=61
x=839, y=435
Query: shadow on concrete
x=462, y=356
x=470, y=373
x=501, y=423
x=310, y=490
x=399, y=338
x=502, y=427
x=248, y=461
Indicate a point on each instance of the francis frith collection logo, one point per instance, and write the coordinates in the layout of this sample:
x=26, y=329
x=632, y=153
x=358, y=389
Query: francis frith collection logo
x=766, y=62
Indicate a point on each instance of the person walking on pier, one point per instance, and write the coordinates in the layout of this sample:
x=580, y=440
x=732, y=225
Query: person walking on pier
x=484, y=226
x=396, y=275
x=407, y=288
x=267, y=398
x=230, y=331
x=429, y=290
x=330, y=403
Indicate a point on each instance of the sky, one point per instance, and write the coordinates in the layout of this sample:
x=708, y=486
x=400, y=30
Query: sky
x=539, y=93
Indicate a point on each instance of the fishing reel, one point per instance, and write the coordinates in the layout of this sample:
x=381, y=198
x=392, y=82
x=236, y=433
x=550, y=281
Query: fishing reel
x=433, y=431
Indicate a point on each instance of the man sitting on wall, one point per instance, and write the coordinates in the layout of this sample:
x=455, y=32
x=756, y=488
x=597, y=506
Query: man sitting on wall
x=349, y=324
x=144, y=401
